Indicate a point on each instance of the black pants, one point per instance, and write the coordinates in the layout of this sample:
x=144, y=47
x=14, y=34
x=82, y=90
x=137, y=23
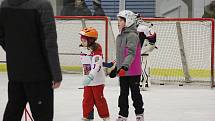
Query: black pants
x=131, y=82
x=39, y=95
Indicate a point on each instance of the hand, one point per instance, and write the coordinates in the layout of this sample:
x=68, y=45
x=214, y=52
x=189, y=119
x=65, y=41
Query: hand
x=113, y=73
x=112, y=69
x=87, y=80
x=55, y=84
x=122, y=71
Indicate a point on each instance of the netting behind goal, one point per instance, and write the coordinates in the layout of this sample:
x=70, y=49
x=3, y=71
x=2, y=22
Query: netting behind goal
x=185, y=50
x=68, y=28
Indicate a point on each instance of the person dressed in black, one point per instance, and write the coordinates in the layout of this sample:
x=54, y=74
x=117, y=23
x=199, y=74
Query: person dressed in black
x=79, y=8
x=75, y=8
x=28, y=36
x=209, y=10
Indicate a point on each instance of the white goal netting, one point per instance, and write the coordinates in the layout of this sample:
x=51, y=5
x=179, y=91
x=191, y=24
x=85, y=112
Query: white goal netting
x=185, y=50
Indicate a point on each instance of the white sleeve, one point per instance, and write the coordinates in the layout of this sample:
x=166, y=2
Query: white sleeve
x=146, y=30
x=96, y=65
x=143, y=29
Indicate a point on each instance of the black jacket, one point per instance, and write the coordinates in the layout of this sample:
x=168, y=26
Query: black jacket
x=28, y=35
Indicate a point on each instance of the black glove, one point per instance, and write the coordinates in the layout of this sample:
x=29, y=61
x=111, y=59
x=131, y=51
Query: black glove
x=113, y=73
x=124, y=68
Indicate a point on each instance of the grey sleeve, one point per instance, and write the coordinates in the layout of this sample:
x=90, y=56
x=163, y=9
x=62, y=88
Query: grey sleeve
x=132, y=42
x=50, y=37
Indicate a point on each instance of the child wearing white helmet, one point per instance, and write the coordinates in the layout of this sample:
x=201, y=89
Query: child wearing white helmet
x=128, y=65
x=94, y=75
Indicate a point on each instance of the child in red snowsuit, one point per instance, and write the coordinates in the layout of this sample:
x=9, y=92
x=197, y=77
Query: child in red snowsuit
x=94, y=75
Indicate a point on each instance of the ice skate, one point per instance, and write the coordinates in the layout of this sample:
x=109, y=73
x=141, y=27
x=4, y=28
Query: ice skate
x=106, y=119
x=121, y=118
x=85, y=119
x=140, y=117
x=143, y=85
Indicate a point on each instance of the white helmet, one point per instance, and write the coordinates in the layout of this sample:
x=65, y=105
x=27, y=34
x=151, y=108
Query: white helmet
x=129, y=16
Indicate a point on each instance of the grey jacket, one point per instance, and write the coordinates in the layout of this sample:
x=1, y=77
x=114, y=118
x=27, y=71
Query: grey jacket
x=28, y=35
x=128, y=51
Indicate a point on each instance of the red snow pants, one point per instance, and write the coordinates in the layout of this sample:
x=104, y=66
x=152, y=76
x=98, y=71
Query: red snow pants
x=93, y=95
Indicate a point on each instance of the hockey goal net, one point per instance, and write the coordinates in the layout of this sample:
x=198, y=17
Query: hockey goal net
x=68, y=28
x=185, y=50
x=185, y=46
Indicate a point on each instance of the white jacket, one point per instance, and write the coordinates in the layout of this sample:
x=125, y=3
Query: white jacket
x=92, y=64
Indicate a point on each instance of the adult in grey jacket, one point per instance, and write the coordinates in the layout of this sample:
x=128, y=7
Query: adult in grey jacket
x=28, y=36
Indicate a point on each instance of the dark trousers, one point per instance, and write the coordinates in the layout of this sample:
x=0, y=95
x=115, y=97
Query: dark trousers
x=39, y=95
x=126, y=83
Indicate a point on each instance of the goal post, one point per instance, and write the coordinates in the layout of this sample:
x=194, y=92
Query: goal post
x=68, y=28
x=185, y=50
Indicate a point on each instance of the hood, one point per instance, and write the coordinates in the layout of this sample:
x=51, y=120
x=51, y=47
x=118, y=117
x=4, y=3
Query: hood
x=16, y=2
x=132, y=28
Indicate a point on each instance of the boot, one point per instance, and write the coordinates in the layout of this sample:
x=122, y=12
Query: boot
x=106, y=119
x=121, y=118
x=140, y=117
x=85, y=119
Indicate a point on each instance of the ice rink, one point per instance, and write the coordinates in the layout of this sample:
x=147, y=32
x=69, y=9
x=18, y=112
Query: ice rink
x=162, y=102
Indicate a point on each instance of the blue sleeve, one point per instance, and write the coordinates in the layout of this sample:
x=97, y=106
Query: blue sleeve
x=108, y=65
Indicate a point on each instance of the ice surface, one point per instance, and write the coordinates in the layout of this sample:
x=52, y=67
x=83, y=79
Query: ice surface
x=162, y=103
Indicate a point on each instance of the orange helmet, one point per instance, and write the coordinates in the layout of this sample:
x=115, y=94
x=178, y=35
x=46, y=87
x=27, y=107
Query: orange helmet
x=89, y=32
